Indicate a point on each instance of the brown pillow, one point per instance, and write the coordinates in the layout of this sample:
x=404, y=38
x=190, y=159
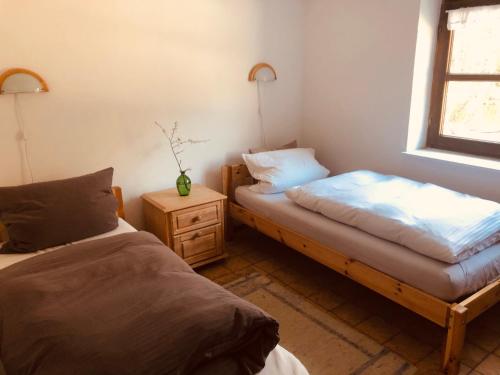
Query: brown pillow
x=47, y=214
x=256, y=150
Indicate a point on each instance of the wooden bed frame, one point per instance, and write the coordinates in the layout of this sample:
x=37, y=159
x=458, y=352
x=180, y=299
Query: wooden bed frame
x=117, y=192
x=452, y=316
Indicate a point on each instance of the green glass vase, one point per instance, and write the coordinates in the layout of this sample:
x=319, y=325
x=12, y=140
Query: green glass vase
x=183, y=184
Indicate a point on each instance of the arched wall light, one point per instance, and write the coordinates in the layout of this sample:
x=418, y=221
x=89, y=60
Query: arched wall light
x=21, y=81
x=262, y=72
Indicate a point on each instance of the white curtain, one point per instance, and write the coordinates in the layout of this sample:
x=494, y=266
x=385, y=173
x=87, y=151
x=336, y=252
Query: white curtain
x=470, y=17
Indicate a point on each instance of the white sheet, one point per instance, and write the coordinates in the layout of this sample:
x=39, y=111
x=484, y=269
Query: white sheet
x=434, y=221
x=9, y=259
x=279, y=361
x=443, y=280
x=282, y=362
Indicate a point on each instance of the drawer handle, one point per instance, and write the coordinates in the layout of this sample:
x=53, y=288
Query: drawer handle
x=196, y=218
x=196, y=235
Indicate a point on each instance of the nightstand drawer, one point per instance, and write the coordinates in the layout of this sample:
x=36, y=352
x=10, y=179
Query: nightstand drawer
x=199, y=244
x=197, y=217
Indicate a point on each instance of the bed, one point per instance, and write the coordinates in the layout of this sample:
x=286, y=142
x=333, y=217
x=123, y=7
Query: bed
x=442, y=280
x=448, y=295
x=279, y=361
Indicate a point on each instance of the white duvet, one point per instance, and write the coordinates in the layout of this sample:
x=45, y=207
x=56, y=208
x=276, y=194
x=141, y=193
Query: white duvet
x=434, y=221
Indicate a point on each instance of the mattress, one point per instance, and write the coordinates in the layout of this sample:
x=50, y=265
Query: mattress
x=442, y=280
x=279, y=361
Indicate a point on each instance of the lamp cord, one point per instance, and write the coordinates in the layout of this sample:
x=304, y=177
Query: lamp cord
x=22, y=133
x=261, y=117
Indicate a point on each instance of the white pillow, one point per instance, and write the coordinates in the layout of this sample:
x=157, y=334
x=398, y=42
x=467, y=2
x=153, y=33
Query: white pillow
x=280, y=170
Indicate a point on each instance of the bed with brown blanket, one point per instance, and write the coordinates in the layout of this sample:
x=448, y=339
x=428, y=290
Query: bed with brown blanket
x=82, y=292
x=122, y=305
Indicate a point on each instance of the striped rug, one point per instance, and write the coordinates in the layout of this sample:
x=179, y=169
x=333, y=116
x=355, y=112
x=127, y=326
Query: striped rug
x=324, y=344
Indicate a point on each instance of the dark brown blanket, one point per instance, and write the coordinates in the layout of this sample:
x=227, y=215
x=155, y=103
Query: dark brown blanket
x=125, y=305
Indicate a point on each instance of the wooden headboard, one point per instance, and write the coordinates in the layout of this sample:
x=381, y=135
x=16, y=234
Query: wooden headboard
x=120, y=211
x=234, y=176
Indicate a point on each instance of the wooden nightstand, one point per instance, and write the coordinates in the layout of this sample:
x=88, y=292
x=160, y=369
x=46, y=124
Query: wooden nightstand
x=192, y=226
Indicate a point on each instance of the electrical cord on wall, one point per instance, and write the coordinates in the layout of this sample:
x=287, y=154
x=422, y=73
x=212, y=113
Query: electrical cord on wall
x=261, y=117
x=22, y=135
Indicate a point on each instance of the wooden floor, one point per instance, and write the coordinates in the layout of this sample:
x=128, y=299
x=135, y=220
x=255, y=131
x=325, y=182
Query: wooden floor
x=400, y=330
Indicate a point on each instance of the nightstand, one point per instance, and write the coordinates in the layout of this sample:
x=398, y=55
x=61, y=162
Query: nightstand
x=192, y=226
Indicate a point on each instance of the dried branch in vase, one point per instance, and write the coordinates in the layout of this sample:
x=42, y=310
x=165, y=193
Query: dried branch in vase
x=177, y=144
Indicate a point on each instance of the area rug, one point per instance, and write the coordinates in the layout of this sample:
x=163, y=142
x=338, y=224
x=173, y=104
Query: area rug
x=324, y=344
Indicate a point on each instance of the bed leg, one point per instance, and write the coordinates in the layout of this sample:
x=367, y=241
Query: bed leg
x=228, y=223
x=229, y=228
x=455, y=337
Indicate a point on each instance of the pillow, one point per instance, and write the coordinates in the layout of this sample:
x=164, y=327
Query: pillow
x=256, y=150
x=280, y=170
x=47, y=214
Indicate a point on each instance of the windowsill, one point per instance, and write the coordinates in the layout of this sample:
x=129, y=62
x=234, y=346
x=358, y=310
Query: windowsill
x=453, y=157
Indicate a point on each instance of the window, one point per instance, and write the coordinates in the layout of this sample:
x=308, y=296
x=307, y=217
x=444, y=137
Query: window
x=465, y=106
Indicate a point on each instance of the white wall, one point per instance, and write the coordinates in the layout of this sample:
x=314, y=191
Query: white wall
x=116, y=66
x=359, y=65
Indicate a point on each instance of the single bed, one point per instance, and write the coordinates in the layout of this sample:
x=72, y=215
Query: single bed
x=448, y=295
x=442, y=280
x=279, y=361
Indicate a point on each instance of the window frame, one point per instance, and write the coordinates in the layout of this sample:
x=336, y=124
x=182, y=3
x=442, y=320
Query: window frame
x=441, y=78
